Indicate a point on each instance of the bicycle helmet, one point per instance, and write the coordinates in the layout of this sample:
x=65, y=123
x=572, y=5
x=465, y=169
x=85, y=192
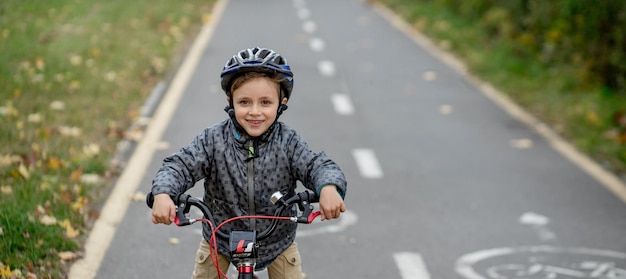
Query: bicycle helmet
x=257, y=60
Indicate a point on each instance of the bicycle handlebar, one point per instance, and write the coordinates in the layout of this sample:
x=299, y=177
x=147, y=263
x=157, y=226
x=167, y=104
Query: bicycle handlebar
x=303, y=200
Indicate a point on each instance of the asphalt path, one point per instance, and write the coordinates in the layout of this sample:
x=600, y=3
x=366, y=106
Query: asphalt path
x=446, y=178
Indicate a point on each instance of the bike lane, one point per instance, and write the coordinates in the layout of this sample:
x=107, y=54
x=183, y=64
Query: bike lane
x=137, y=248
x=455, y=170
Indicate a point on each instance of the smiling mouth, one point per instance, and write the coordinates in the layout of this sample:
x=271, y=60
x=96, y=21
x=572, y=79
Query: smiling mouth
x=254, y=122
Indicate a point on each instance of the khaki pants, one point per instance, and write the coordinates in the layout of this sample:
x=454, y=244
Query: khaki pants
x=286, y=266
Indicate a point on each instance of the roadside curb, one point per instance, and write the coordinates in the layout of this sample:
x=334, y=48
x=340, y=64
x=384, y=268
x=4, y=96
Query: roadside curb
x=606, y=178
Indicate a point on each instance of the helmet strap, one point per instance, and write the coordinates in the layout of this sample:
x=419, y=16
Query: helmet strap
x=281, y=108
x=231, y=113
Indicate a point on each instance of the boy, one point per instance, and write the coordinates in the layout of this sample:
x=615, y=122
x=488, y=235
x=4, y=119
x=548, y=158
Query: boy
x=246, y=158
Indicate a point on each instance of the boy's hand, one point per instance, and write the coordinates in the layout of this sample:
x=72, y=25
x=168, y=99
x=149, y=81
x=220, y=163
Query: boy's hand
x=331, y=203
x=163, y=209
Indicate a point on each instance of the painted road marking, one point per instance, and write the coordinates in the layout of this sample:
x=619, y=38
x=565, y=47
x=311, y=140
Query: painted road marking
x=609, y=180
x=117, y=203
x=411, y=265
x=309, y=26
x=528, y=258
x=317, y=44
x=367, y=163
x=539, y=224
x=342, y=104
x=326, y=68
x=299, y=4
x=304, y=13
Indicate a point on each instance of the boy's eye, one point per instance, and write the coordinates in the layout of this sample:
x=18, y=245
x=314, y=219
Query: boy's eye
x=266, y=102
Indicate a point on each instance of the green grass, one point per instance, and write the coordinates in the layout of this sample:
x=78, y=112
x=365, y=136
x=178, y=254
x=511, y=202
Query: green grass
x=582, y=112
x=73, y=77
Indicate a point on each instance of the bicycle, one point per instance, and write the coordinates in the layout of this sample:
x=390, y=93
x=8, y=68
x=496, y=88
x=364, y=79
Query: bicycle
x=243, y=244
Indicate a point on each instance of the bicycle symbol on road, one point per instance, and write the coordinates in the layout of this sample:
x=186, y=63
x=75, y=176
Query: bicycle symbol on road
x=542, y=262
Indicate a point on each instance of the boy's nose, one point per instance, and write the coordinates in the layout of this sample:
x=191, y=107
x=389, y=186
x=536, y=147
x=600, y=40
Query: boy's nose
x=254, y=109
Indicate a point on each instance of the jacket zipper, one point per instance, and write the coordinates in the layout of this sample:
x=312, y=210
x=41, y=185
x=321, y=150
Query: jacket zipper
x=251, y=205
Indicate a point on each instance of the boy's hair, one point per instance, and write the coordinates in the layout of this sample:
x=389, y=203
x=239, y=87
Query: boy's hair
x=245, y=77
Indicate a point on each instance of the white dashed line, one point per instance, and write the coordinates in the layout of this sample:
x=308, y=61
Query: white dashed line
x=326, y=68
x=304, y=13
x=309, y=26
x=411, y=266
x=342, y=104
x=298, y=4
x=317, y=44
x=367, y=163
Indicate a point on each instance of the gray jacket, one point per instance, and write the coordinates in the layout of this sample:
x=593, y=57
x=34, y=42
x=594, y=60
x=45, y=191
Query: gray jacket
x=220, y=156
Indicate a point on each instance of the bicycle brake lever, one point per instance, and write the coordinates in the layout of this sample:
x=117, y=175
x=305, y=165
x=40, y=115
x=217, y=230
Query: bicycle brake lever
x=308, y=215
x=180, y=219
x=183, y=208
x=312, y=216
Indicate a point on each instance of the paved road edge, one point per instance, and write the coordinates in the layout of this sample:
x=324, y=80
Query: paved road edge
x=117, y=203
x=604, y=177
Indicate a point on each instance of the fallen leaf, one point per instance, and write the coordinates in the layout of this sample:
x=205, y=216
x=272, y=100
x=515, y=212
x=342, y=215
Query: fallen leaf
x=23, y=171
x=57, y=105
x=593, y=118
x=521, y=143
x=67, y=255
x=48, y=220
x=70, y=131
x=6, y=190
x=66, y=197
x=70, y=231
x=138, y=196
x=91, y=150
x=90, y=178
x=76, y=60
x=134, y=134
x=5, y=271
x=44, y=186
x=429, y=75
x=40, y=64
x=445, y=109
x=79, y=204
x=30, y=276
x=8, y=159
x=54, y=163
x=40, y=209
x=206, y=18
x=162, y=145
x=34, y=118
x=76, y=174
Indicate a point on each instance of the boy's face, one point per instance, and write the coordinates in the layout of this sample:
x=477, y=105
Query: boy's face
x=256, y=105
